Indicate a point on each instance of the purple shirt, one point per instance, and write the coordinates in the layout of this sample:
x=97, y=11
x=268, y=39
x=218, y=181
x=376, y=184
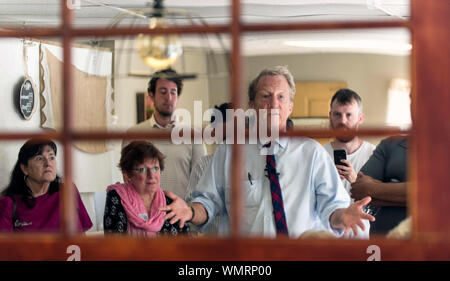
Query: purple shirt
x=44, y=217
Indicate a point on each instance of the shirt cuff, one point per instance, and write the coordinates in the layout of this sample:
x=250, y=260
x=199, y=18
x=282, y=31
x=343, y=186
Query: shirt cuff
x=209, y=210
x=327, y=215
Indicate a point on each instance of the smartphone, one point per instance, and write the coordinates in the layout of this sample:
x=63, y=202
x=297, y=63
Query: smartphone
x=339, y=154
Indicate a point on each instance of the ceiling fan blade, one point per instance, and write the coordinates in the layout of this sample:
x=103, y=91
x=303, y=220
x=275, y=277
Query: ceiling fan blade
x=122, y=10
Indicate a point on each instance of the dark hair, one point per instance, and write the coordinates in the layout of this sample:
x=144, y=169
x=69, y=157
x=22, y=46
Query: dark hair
x=136, y=152
x=223, y=109
x=345, y=96
x=17, y=184
x=289, y=124
x=168, y=74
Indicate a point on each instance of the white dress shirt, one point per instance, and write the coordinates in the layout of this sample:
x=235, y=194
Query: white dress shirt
x=219, y=226
x=310, y=186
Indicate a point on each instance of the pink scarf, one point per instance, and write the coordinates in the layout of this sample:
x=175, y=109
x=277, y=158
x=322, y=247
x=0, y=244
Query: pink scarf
x=135, y=209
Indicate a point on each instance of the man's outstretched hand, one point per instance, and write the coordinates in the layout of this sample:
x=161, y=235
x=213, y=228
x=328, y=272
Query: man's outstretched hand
x=351, y=217
x=177, y=211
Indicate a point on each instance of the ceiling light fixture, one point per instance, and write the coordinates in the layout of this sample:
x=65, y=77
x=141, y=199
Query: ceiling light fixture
x=158, y=51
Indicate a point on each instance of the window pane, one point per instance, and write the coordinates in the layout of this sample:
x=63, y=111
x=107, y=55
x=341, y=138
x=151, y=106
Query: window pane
x=368, y=62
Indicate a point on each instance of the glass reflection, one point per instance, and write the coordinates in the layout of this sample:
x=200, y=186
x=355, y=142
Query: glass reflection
x=372, y=71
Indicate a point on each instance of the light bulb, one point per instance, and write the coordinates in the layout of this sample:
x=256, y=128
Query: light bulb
x=158, y=51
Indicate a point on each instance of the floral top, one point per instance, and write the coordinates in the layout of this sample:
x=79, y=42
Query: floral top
x=115, y=218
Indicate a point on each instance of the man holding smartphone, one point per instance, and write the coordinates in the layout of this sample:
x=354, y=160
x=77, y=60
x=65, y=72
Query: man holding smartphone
x=346, y=113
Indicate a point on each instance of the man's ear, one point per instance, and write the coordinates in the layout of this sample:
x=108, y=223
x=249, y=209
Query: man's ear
x=361, y=118
x=151, y=95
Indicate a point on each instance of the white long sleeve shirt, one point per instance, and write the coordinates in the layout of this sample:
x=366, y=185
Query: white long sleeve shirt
x=310, y=186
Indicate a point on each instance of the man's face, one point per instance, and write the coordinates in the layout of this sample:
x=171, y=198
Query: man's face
x=272, y=92
x=165, y=97
x=346, y=117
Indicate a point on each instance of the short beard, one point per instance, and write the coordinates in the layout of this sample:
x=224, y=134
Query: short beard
x=164, y=113
x=344, y=139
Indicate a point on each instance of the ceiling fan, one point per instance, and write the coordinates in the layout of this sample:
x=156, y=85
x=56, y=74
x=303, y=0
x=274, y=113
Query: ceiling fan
x=159, y=51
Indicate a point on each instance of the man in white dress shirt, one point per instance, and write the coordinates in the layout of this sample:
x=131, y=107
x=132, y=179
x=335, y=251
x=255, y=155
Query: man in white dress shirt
x=346, y=113
x=313, y=194
x=164, y=89
x=216, y=227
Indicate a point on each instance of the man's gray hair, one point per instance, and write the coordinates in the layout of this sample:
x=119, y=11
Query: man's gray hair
x=275, y=71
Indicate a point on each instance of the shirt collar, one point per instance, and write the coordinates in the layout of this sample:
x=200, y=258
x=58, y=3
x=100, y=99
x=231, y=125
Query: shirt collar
x=155, y=124
x=280, y=142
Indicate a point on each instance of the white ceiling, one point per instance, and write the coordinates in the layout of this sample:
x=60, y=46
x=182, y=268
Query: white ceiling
x=102, y=13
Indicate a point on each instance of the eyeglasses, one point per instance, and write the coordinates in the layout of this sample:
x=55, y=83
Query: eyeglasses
x=145, y=170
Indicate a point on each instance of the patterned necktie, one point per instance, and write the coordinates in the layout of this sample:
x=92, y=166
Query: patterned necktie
x=275, y=190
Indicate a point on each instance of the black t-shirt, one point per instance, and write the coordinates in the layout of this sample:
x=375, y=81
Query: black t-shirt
x=387, y=164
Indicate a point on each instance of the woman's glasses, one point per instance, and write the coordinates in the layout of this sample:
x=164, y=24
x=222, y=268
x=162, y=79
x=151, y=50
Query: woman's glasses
x=146, y=170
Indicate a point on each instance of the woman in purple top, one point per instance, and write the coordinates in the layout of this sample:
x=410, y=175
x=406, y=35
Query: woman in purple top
x=30, y=202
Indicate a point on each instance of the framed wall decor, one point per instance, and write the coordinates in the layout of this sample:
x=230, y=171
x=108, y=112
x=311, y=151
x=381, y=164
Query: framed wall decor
x=27, y=101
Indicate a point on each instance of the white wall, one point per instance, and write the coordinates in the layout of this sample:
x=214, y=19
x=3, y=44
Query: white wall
x=219, y=82
x=126, y=86
x=367, y=74
x=91, y=172
x=13, y=72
